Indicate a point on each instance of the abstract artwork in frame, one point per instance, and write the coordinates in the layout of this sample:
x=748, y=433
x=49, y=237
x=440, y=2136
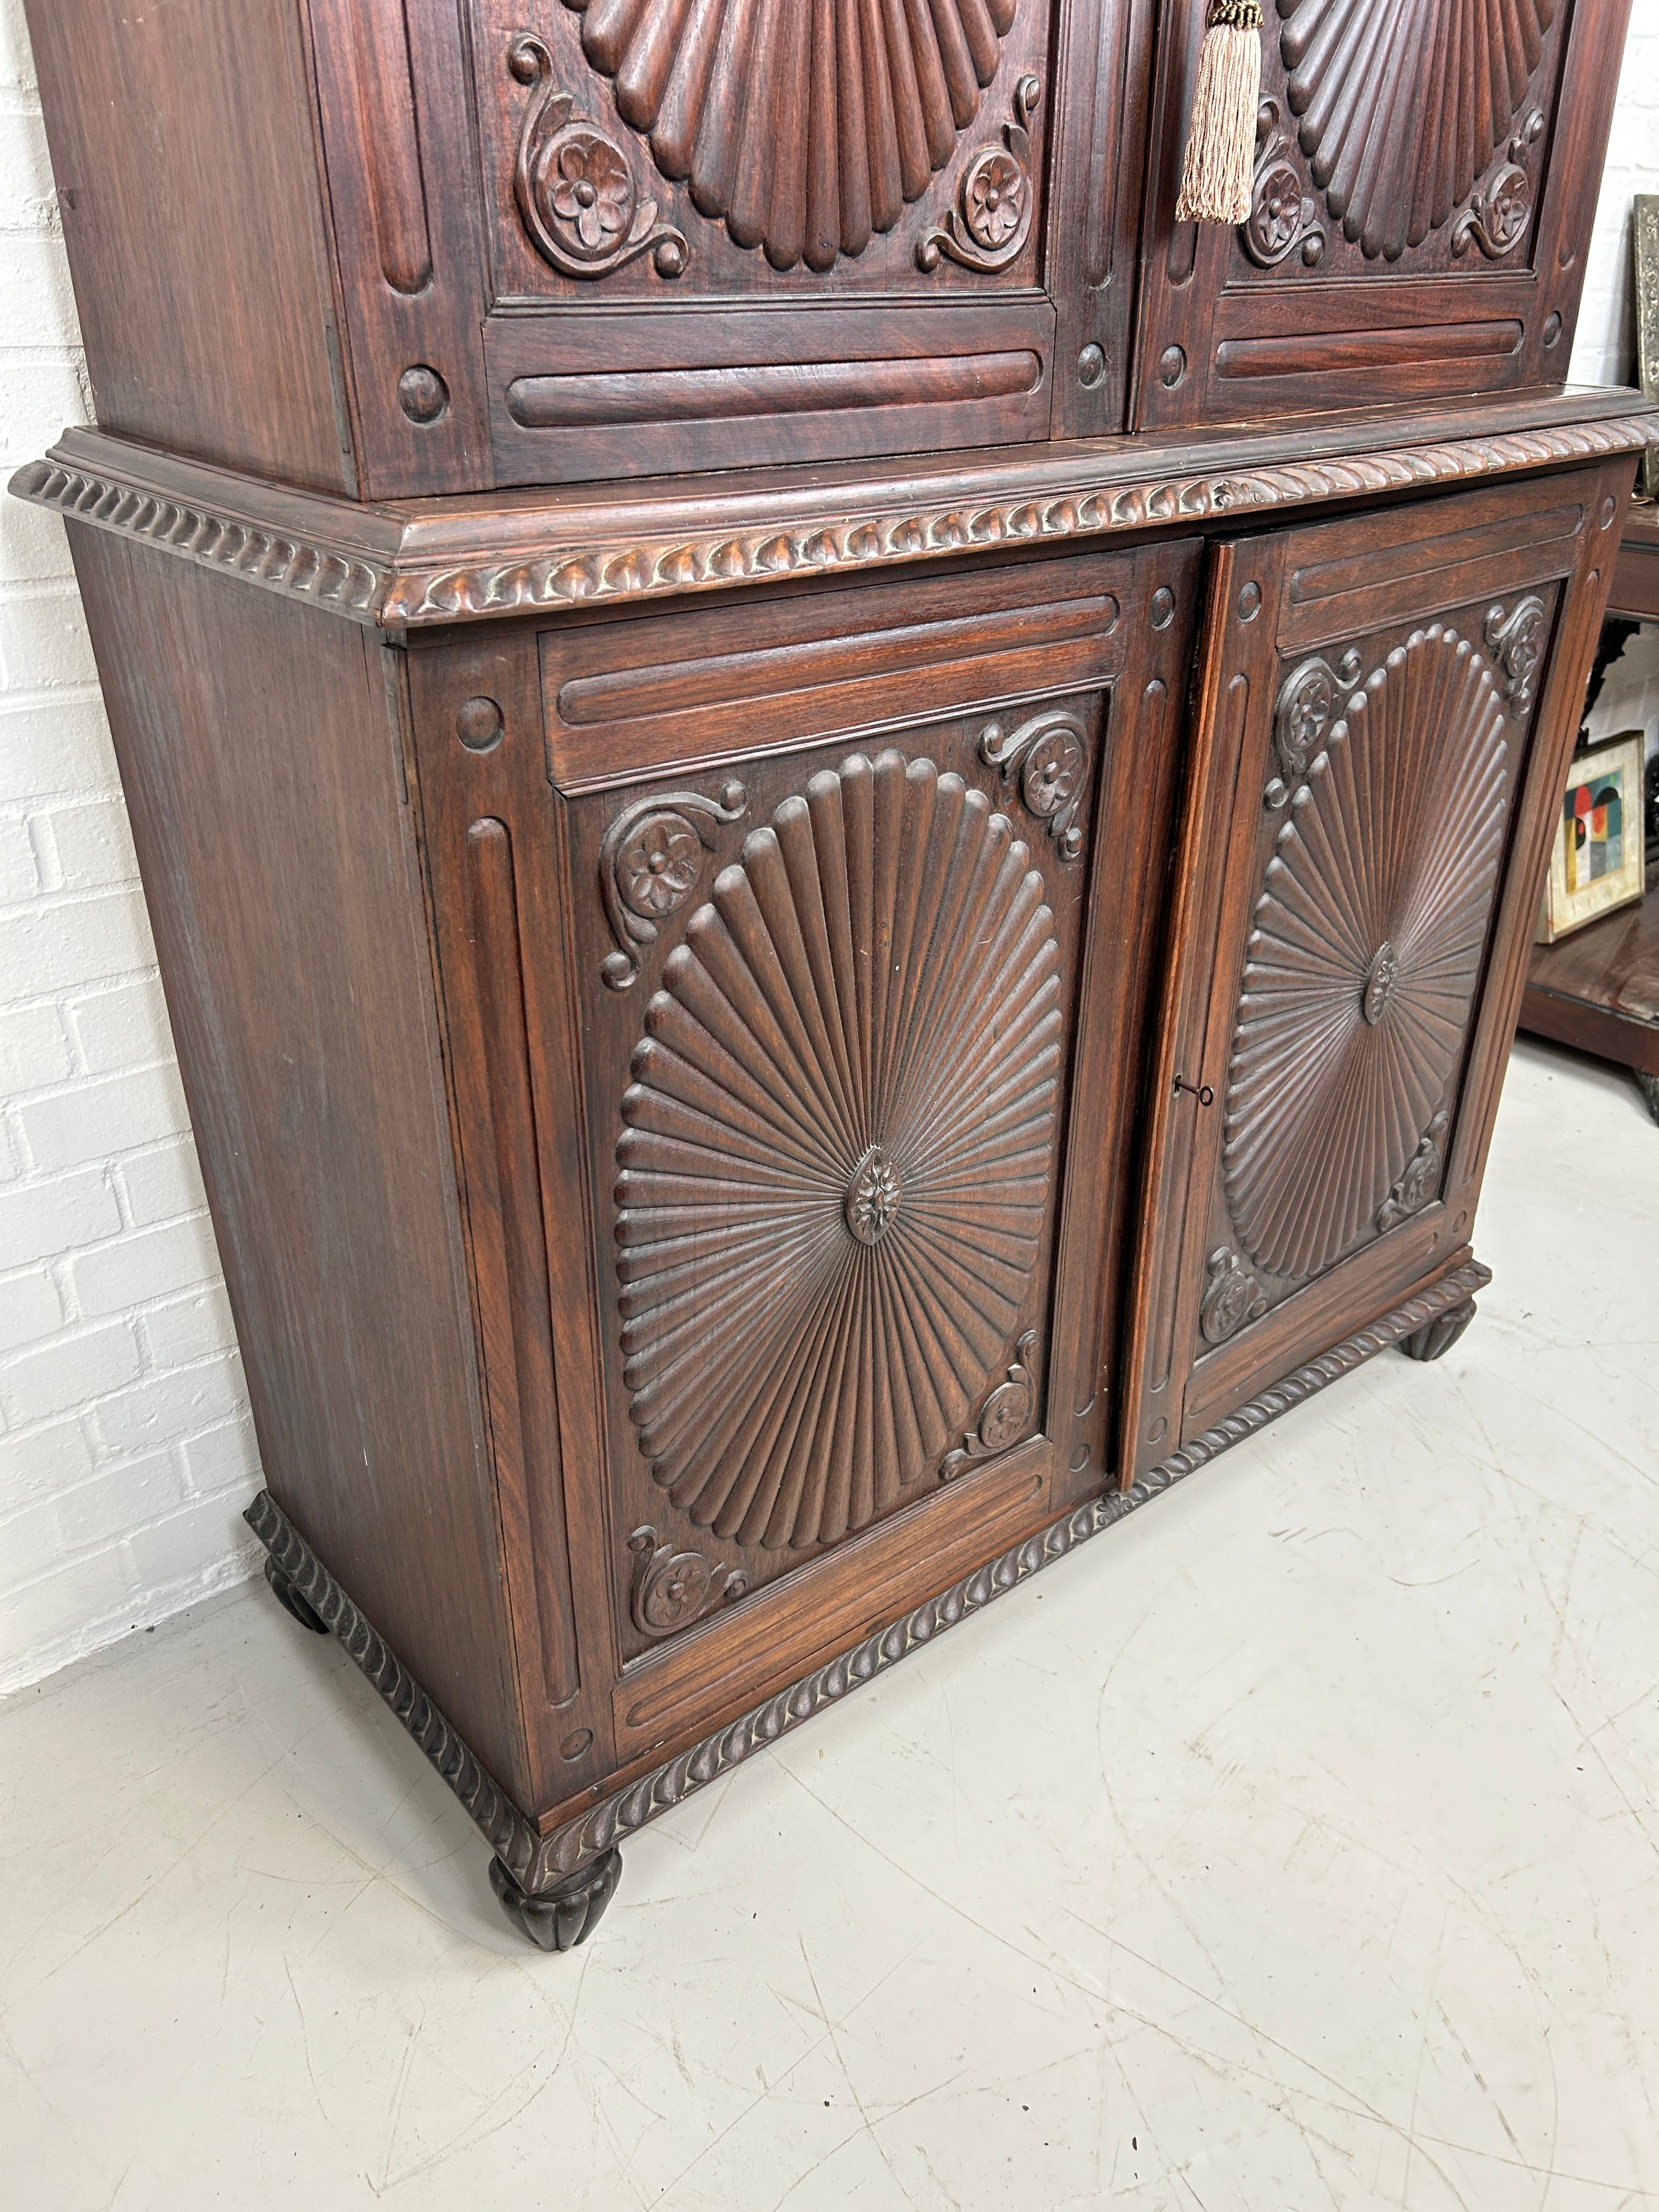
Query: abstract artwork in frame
x=1596, y=863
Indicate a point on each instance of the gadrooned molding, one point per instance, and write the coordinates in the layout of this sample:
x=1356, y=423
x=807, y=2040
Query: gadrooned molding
x=295, y=566
x=405, y=593
x=537, y=1863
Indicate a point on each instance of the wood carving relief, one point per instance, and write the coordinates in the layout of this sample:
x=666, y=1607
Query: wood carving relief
x=650, y=864
x=574, y=183
x=1402, y=105
x=806, y=126
x=837, y=1156
x=1005, y=1416
x=1048, y=756
x=992, y=219
x=670, y=1589
x=1515, y=637
x=1362, y=964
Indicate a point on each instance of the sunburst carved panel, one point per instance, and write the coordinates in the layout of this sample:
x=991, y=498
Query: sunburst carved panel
x=1403, y=105
x=838, y=1153
x=804, y=125
x=1362, y=964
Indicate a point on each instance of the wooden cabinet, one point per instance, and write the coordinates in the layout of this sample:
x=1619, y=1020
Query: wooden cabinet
x=1424, y=192
x=443, y=245
x=1366, y=830
x=804, y=968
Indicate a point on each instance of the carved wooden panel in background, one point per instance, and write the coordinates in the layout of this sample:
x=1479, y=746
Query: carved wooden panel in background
x=1400, y=105
x=838, y=1154
x=771, y=136
x=1362, y=964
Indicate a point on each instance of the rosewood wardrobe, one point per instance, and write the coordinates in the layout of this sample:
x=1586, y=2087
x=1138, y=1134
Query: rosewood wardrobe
x=842, y=830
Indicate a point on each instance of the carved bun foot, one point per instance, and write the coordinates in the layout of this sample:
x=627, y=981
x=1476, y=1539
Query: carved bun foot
x=1436, y=1338
x=291, y=1601
x=1648, y=1086
x=558, y=1919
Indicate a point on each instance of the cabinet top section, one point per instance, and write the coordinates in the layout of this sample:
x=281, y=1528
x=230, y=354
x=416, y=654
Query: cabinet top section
x=421, y=564
x=396, y=248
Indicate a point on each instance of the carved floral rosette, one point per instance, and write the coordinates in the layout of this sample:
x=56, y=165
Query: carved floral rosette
x=574, y=185
x=1047, y=755
x=650, y=862
x=992, y=219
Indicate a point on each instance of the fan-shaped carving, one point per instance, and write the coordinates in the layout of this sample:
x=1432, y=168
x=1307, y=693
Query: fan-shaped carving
x=1404, y=103
x=840, y=1141
x=804, y=125
x=1363, y=962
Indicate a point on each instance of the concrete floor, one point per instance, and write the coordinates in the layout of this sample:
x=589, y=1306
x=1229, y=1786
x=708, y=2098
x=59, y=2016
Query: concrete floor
x=1295, y=1844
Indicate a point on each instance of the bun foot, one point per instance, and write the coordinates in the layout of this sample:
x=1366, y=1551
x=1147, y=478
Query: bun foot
x=1650, y=1088
x=291, y=1601
x=1438, y=1337
x=558, y=1919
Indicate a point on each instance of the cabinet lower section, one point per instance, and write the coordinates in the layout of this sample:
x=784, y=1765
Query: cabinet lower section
x=738, y=1132
x=549, y=1863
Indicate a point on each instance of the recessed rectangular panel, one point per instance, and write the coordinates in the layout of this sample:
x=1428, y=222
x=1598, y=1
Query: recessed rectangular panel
x=585, y=393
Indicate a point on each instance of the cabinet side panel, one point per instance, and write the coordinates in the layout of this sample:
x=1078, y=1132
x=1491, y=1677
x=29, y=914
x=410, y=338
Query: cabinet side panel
x=259, y=755
x=182, y=147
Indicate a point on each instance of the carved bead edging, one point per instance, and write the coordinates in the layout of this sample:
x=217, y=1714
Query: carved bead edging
x=1515, y=639
x=1049, y=756
x=670, y=1589
x=298, y=567
x=651, y=861
x=419, y=595
x=995, y=201
x=539, y=1864
x=1006, y=1415
x=575, y=186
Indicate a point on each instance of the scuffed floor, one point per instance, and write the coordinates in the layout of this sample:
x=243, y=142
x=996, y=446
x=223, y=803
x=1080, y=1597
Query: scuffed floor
x=1294, y=1845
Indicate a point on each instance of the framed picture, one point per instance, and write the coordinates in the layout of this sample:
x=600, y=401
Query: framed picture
x=1597, y=862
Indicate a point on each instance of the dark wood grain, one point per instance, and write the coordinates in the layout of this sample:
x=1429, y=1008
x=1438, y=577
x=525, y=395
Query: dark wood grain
x=1598, y=990
x=1353, y=1078
x=261, y=761
x=184, y=156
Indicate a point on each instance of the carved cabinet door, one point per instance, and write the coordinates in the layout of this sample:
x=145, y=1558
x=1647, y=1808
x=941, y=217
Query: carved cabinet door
x=795, y=956
x=1424, y=188
x=1386, y=706
x=707, y=233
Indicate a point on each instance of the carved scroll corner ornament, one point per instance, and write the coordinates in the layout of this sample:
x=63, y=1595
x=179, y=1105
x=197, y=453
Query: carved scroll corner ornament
x=1283, y=217
x=670, y=1590
x=1231, y=1296
x=1515, y=639
x=1048, y=753
x=1006, y=1415
x=995, y=200
x=1305, y=716
x=1421, y=1180
x=574, y=183
x=1496, y=219
x=650, y=862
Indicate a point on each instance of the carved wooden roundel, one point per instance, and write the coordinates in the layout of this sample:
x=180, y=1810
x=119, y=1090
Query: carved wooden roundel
x=839, y=1146
x=1362, y=965
x=804, y=125
x=1403, y=104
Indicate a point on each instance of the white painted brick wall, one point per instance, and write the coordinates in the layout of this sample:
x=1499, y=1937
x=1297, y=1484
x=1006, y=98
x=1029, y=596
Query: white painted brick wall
x=1604, y=346
x=126, y=1451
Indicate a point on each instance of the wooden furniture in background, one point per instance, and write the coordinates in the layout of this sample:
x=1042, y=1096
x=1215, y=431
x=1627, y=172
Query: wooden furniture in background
x=1598, y=990
x=832, y=904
